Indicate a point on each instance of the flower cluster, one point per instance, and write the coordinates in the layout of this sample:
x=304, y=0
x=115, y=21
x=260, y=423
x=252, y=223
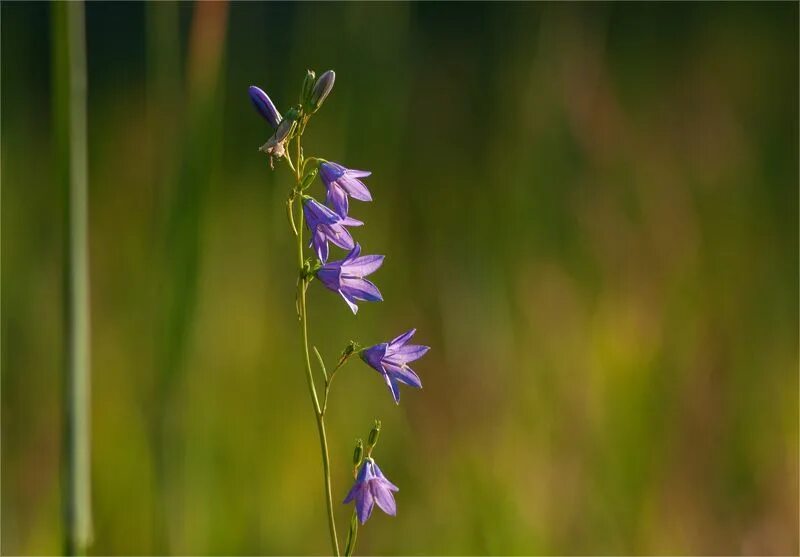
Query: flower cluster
x=329, y=225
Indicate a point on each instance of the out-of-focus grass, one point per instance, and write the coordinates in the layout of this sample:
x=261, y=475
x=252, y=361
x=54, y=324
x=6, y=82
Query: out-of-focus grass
x=590, y=213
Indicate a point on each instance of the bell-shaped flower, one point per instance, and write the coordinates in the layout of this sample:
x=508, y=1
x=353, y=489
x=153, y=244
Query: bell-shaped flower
x=371, y=488
x=347, y=277
x=326, y=226
x=342, y=182
x=265, y=106
x=391, y=360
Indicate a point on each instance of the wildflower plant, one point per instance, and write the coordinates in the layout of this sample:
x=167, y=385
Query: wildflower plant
x=329, y=225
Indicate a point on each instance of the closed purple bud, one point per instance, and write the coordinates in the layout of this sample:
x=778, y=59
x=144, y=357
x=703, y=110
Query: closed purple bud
x=265, y=106
x=322, y=88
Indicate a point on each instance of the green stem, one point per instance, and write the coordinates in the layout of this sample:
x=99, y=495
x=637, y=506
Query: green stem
x=69, y=25
x=352, y=535
x=329, y=382
x=318, y=414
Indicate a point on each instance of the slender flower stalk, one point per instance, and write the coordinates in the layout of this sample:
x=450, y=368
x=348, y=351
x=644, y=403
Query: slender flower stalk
x=329, y=225
x=302, y=285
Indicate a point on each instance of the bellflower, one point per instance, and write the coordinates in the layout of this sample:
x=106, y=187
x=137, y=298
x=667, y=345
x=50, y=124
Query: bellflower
x=326, y=226
x=342, y=182
x=391, y=359
x=347, y=277
x=265, y=106
x=372, y=487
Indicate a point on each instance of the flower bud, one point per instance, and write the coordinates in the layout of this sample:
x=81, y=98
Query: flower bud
x=351, y=347
x=265, y=106
x=358, y=453
x=308, y=85
x=293, y=113
x=373, y=434
x=322, y=89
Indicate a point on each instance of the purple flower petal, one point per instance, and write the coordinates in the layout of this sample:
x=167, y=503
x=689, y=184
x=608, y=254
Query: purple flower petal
x=337, y=198
x=337, y=235
x=411, y=352
x=350, y=221
x=358, y=173
x=360, y=289
x=374, y=354
x=320, y=245
x=383, y=497
x=393, y=387
x=354, y=187
x=402, y=373
x=379, y=474
x=363, y=266
x=350, y=301
x=364, y=504
x=400, y=340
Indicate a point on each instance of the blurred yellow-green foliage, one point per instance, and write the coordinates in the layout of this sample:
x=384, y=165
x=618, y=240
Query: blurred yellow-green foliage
x=590, y=213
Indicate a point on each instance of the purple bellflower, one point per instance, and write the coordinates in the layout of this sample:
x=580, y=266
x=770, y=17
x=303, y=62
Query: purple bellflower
x=372, y=488
x=342, y=182
x=391, y=359
x=326, y=226
x=347, y=277
x=265, y=106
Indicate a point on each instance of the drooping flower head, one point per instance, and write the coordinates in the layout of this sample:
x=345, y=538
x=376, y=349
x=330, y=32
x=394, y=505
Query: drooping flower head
x=347, y=277
x=342, y=182
x=391, y=360
x=265, y=106
x=372, y=487
x=326, y=226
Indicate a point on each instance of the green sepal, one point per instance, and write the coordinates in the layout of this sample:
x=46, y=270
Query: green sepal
x=373, y=436
x=358, y=454
x=308, y=85
x=309, y=179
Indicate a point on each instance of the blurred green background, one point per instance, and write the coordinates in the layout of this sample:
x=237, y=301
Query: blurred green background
x=590, y=213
